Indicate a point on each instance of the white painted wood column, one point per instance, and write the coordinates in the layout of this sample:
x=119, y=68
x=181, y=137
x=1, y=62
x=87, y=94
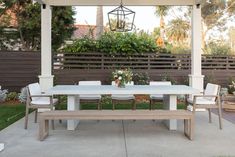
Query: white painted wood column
x=46, y=77
x=196, y=78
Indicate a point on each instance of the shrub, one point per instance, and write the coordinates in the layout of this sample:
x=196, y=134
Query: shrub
x=12, y=96
x=23, y=95
x=180, y=50
x=3, y=95
x=210, y=78
x=81, y=45
x=231, y=85
x=141, y=78
x=116, y=43
x=125, y=43
x=167, y=77
x=218, y=48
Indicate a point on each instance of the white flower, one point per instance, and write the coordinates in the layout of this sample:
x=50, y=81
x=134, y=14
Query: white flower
x=120, y=72
x=120, y=78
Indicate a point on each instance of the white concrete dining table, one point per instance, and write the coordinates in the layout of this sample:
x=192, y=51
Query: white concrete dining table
x=169, y=92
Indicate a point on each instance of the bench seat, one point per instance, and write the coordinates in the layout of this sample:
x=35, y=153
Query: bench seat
x=185, y=115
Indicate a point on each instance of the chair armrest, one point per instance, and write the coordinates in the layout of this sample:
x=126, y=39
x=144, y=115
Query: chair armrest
x=211, y=96
x=42, y=95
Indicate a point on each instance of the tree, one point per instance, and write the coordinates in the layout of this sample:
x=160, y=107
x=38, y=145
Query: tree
x=231, y=8
x=156, y=32
x=99, y=21
x=162, y=11
x=213, y=17
x=177, y=31
x=29, y=23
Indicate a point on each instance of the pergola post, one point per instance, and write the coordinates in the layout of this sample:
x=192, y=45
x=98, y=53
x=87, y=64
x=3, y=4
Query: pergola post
x=196, y=78
x=46, y=77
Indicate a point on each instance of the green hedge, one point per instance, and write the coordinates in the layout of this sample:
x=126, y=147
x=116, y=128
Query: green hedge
x=116, y=43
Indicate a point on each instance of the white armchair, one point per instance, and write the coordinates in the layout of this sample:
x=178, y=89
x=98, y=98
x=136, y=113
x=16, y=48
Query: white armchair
x=95, y=98
x=209, y=100
x=123, y=97
x=37, y=100
x=157, y=97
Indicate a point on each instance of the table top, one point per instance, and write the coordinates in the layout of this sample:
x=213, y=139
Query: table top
x=109, y=89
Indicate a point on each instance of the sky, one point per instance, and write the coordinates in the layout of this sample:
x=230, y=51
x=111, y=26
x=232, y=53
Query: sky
x=144, y=18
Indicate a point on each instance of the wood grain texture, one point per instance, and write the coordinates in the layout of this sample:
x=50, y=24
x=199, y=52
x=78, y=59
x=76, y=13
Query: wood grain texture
x=185, y=115
x=18, y=69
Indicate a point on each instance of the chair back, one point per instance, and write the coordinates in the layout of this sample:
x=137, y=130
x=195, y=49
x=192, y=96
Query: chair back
x=34, y=89
x=89, y=82
x=212, y=89
x=127, y=84
x=159, y=83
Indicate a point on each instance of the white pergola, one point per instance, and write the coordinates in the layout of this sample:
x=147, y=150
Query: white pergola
x=46, y=78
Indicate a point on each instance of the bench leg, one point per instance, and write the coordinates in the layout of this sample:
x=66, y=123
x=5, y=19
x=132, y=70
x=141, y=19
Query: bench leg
x=191, y=135
x=36, y=116
x=186, y=127
x=189, y=128
x=43, y=129
x=209, y=111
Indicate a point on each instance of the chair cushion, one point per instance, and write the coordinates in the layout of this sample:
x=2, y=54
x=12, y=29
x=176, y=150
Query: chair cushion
x=89, y=83
x=34, y=89
x=202, y=101
x=211, y=89
x=43, y=101
x=156, y=96
x=122, y=97
x=190, y=108
x=159, y=83
x=90, y=97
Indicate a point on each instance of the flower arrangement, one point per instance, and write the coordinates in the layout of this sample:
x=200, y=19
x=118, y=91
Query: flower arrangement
x=122, y=77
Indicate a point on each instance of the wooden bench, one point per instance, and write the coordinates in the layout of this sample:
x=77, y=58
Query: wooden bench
x=185, y=115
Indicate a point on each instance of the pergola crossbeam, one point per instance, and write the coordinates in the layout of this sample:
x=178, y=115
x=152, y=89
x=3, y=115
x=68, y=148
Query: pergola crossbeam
x=117, y=2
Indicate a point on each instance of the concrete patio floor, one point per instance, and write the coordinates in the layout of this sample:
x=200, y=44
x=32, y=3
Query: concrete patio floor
x=121, y=139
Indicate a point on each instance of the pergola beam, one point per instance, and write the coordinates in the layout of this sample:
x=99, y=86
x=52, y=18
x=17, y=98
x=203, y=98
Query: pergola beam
x=117, y=2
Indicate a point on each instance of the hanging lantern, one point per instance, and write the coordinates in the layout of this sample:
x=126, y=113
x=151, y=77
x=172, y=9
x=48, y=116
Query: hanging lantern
x=121, y=19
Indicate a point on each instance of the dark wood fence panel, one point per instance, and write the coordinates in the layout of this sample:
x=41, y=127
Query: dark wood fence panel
x=18, y=69
x=70, y=68
x=139, y=61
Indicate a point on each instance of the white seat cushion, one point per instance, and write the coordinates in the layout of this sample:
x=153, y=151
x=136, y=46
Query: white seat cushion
x=158, y=83
x=90, y=97
x=156, y=96
x=123, y=97
x=202, y=101
x=34, y=89
x=43, y=101
x=190, y=108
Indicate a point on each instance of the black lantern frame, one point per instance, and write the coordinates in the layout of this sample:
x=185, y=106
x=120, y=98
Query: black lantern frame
x=121, y=19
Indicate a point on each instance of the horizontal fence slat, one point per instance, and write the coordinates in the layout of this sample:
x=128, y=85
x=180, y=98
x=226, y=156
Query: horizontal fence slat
x=17, y=69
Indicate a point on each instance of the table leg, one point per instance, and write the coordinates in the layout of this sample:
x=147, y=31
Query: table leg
x=170, y=103
x=73, y=103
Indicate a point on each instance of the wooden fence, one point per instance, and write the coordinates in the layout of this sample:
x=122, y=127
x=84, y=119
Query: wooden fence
x=146, y=61
x=17, y=69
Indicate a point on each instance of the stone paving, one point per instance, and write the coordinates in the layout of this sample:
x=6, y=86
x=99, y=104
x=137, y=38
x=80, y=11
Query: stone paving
x=121, y=139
